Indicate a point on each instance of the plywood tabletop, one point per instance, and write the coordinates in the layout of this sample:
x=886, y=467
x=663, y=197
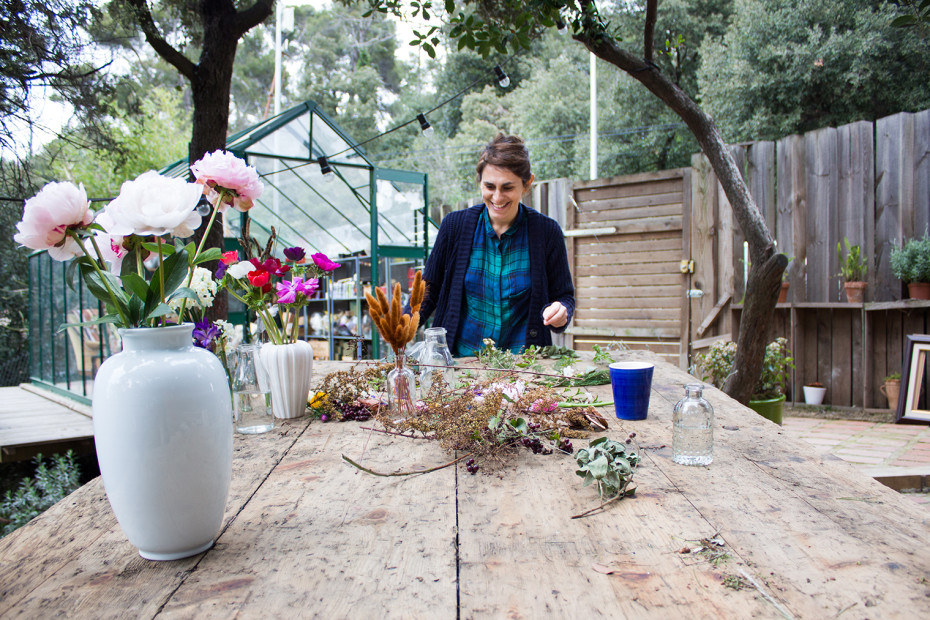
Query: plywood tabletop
x=794, y=534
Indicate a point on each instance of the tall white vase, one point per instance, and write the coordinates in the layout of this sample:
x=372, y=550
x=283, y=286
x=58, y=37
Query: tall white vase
x=163, y=431
x=289, y=368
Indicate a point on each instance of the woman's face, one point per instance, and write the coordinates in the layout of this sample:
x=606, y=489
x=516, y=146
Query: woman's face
x=502, y=190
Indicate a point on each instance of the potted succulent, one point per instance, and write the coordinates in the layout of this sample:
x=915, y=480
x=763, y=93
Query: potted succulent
x=853, y=269
x=891, y=388
x=768, y=396
x=814, y=393
x=911, y=265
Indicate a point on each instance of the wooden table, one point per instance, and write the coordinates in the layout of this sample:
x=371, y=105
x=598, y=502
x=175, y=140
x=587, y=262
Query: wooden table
x=306, y=535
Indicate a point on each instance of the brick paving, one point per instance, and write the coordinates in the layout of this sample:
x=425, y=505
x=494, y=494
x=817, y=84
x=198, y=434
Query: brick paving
x=869, y=445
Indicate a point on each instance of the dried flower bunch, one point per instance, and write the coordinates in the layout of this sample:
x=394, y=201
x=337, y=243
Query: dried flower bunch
x=397, y=328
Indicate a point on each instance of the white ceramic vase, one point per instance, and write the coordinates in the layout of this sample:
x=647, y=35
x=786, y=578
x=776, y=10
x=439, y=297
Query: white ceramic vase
x=813, y=395
x=163, y=431
x=289, y=368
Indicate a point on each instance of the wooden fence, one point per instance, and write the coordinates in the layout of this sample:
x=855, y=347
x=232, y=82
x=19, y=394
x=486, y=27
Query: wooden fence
x=659, y=260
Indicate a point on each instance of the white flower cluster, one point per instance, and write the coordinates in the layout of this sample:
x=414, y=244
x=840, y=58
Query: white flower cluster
x=203, y=285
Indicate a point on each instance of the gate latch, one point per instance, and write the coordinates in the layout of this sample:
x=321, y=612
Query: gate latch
x=686, y=266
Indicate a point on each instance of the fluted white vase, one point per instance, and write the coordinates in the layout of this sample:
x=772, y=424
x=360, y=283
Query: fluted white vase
x=289, y=368
x=163, y=433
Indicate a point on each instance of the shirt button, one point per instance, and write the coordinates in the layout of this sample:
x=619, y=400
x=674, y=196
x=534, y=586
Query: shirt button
x=532, y=333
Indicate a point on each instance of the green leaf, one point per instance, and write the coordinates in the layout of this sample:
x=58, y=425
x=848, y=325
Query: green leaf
x=208, y=255
x=160, y=310
x=450, y=6
x=136, y=310
x=166, y=248
x=94, y=282
x=904, y=21
x=136, y=284
x=598, y=467
x=186, y=292
x=429, y=50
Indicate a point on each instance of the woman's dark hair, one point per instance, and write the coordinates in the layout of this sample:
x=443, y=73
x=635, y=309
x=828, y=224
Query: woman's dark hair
x=508, y=152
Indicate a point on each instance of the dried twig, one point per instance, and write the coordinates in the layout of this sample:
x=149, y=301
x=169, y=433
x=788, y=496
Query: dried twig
x=403, y=473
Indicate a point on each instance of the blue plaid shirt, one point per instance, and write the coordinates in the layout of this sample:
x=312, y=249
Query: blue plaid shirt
x=497, y=288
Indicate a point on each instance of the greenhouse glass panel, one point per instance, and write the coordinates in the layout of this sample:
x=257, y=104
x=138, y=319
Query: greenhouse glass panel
x=291, y=139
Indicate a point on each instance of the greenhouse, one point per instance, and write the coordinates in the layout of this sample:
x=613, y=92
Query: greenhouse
x=321, y=193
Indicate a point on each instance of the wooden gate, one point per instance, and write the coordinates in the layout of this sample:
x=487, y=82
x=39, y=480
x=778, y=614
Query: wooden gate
x=625, y=248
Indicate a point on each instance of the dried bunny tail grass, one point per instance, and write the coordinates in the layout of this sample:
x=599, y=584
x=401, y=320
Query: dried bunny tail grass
x=374, y=306
x=382, y=299
x=395, y=305
x=417, y=292
x=412, y=327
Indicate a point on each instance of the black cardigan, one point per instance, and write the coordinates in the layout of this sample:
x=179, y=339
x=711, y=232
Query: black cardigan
x=550, y=277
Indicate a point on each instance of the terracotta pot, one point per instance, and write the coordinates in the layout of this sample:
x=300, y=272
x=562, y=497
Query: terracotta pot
x=918, y=290
x=783, y=293
x=855, y=292
x=891, y=389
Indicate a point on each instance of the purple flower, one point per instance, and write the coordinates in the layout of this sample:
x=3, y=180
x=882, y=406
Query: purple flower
x=295, y=254
x=288, y=289
x=322, y=261
x=204, y=334
x=221, y=270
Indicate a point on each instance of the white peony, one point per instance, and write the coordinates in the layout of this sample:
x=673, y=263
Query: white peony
x=49, y=214
x=155, y=205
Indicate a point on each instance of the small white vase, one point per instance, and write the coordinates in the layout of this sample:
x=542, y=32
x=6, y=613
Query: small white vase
x=814, y=395
x=289, y=368
x=163, y=432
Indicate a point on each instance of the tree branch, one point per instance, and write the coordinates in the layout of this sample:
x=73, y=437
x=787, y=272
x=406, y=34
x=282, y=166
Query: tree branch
x=175, y=58
x=649, y=30
x=252, y=16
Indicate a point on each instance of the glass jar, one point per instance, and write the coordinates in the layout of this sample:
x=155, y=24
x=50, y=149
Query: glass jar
x=252, y=412
x=693, y=428
x=436, y=363
x=401, y=388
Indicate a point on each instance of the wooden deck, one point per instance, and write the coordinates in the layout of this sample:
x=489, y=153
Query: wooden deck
x=33, y=420
x=795, y=534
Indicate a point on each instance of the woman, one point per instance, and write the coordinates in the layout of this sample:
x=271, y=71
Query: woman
x=499, y=270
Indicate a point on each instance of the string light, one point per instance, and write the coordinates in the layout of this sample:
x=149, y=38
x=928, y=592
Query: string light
x=502, y=78
x=561, y=26
x=203, y=206
x=326, y=169
x=425, y=127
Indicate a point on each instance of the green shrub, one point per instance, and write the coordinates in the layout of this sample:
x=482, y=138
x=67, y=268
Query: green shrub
x=35, y=495
x=717, y=364
x=912, y=262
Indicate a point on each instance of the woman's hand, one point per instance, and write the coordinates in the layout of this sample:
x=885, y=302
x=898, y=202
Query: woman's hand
x=555, y=315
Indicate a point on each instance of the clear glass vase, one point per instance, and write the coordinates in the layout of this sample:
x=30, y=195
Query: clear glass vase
x=693, y=428
x=436, y=363
x=401, y=388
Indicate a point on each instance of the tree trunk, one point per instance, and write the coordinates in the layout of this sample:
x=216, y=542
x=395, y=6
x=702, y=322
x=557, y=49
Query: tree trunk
x=766, y=266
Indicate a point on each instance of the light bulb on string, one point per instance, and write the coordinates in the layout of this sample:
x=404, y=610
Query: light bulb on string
x=425, y=127
x=203, y=207
x=502, y=78
x=326, y=169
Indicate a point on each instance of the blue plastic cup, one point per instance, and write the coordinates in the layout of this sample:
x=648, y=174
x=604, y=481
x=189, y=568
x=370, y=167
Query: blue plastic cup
x=631, y=383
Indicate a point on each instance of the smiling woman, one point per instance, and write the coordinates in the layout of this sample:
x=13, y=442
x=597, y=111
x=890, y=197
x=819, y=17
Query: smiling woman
x=499, y=270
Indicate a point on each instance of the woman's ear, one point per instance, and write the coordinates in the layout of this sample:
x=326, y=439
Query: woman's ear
x=529, y=184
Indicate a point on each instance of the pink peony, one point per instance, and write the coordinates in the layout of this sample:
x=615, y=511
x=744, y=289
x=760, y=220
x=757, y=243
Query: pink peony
x=49, y=214
x=154, y=205
x=222, y=170
x=111, y=246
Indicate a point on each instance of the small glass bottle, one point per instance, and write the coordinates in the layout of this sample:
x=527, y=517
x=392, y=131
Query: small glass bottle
x=693, y=428
x=436, y=362
x=401, y=389
x=252, y=412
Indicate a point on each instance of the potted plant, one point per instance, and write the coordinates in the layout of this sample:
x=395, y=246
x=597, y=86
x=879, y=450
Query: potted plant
x=814, y=393
x=853, y=269
x=911, y=265
x=891, y=388
x=768, y=396
x=785, y=285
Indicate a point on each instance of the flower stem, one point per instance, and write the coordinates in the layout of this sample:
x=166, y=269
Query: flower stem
x=203, y=242
x=161, y=279
x=116, y=304
x=404, y=473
